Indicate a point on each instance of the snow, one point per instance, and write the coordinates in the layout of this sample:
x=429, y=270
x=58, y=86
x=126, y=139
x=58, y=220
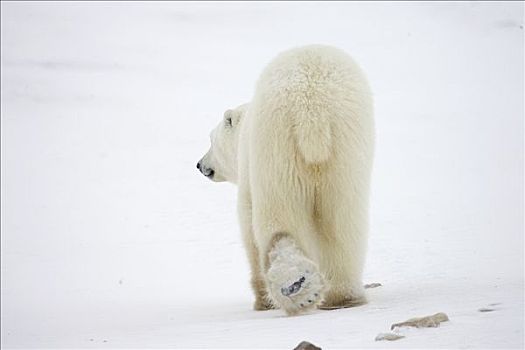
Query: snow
x=111, y=238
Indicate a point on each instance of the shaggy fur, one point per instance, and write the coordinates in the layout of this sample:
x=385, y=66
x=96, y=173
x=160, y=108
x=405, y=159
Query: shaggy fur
x=301, y=153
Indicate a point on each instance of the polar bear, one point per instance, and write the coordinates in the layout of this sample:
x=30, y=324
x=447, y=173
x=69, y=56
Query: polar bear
x=301, y=154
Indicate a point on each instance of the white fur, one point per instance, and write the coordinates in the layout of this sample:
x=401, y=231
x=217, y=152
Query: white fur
x=301, y=153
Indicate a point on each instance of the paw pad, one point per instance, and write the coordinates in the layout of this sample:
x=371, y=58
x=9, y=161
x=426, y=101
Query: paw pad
x=294, y=288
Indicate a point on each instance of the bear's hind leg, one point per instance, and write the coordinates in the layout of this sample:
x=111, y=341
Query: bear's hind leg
x=343, y=274
x=343, y=235
x=342, y=264
x=283, y=194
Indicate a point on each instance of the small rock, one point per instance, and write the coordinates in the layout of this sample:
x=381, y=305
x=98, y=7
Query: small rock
x=389, y=336
x=304, y=345
x=485, y=309
x=372, y=285
x=421, y=322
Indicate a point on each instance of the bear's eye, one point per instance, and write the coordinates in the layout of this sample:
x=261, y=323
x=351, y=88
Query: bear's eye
x=228, y=122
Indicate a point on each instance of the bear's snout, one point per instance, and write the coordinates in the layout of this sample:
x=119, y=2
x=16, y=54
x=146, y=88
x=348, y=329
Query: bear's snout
x=208, y=172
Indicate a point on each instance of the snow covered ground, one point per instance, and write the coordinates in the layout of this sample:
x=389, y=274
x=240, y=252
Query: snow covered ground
x=111, y=238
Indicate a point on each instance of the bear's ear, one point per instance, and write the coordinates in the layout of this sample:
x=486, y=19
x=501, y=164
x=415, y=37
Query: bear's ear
x=230, y=118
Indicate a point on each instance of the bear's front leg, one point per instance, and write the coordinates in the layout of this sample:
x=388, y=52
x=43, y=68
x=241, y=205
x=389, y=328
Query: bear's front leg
x=258, y=282
x=294, y=281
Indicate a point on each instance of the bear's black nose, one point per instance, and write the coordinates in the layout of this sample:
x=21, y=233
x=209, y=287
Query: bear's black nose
x=199, y=165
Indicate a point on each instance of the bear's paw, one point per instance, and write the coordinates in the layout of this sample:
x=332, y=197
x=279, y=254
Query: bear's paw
x=295, y=283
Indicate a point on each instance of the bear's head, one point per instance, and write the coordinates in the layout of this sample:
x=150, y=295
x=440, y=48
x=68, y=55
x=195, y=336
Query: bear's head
x=220, y=163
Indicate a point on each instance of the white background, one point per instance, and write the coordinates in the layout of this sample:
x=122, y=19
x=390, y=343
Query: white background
x=111, y=238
